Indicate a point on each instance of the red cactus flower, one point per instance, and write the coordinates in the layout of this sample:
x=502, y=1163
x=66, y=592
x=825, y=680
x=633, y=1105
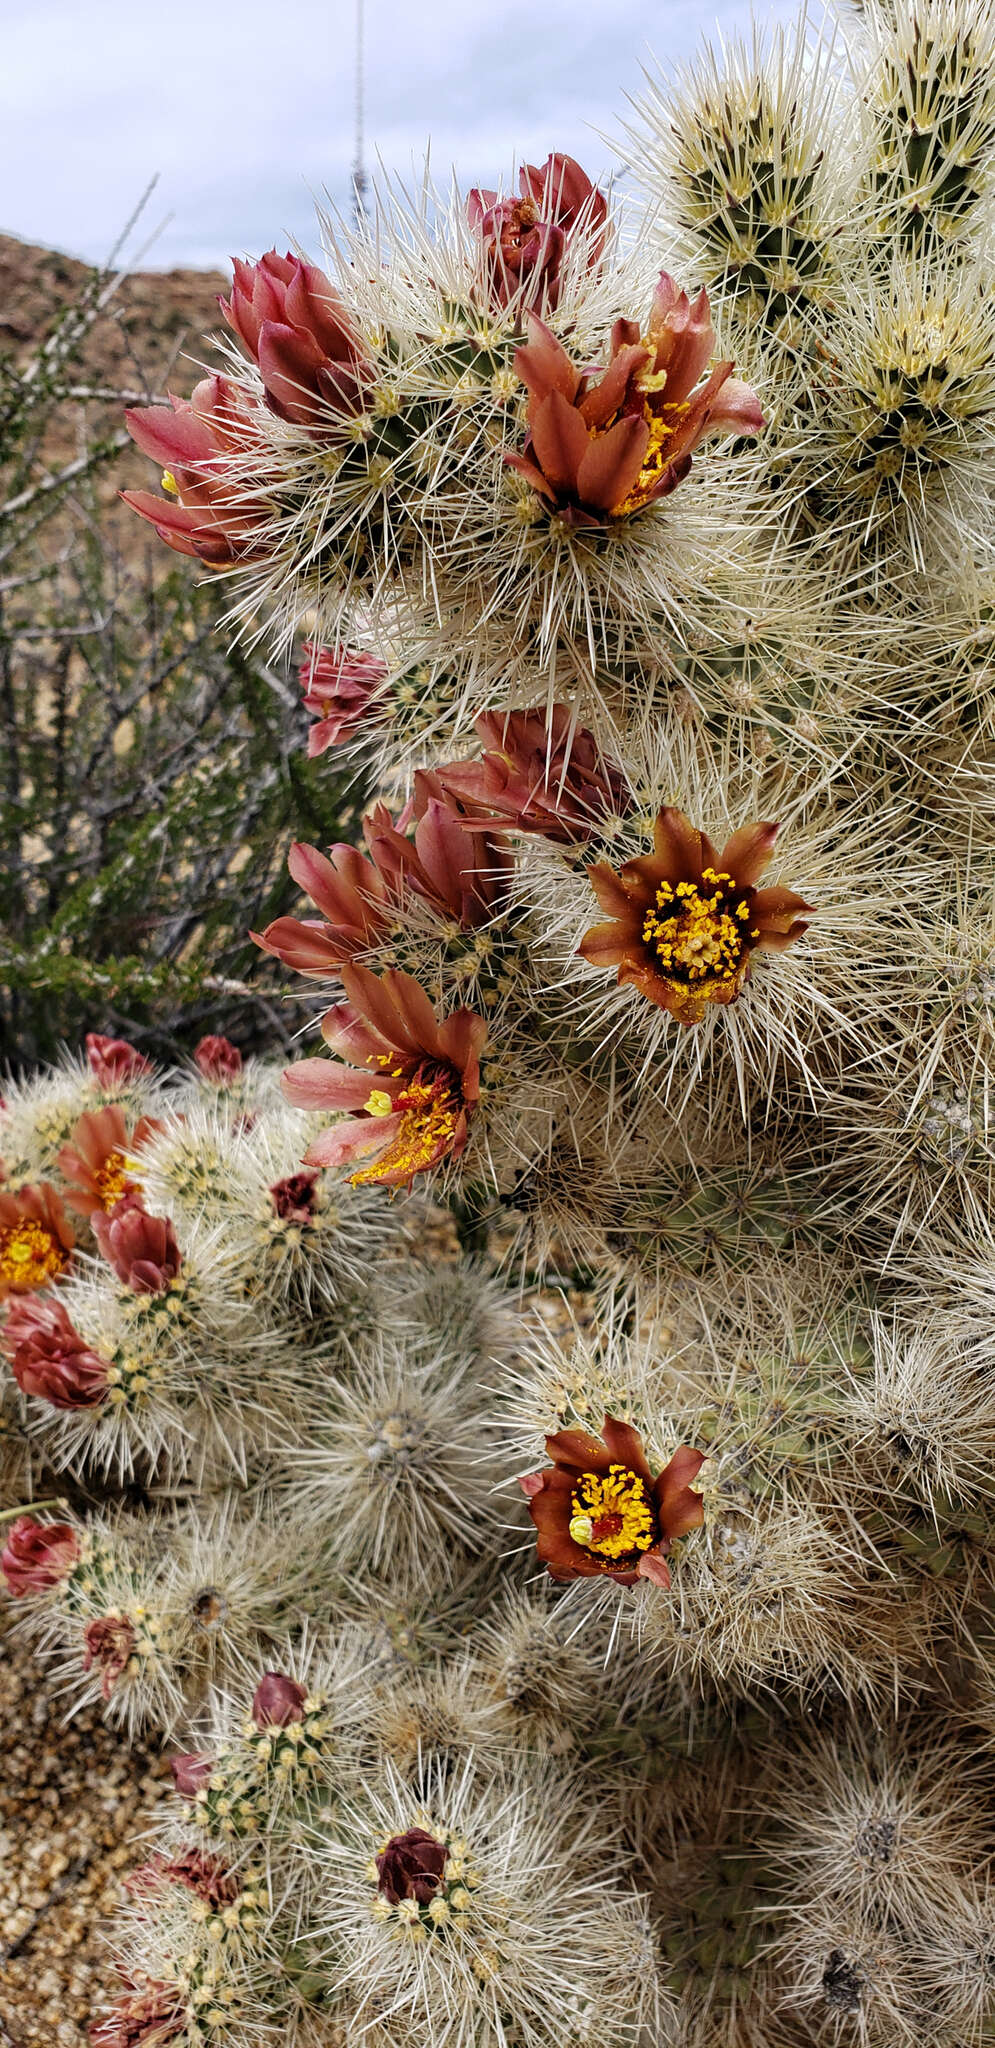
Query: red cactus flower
x=462, y=875
x=354, y=899
x=339, y=684
x=207, y=513
x=108, y=1643
x=277, y=1701
x=684, y=919
x=523, y=240
x=600, y=1513
x=541, y=772
x=148, y=2014
x=310, y=354
x=411, y=1867
x=49, y=1358
x=38, y=1555
x=295, y=1199
x=95, y=1161
x=36, y=1239
x=218, y=1060
x=412, y=1081
x=190, y=1772
x=142, y=1249
x=603, y=446
x=113, y=1062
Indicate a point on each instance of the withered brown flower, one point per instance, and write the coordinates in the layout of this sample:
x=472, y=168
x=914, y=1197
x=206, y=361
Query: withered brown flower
x=684, y=919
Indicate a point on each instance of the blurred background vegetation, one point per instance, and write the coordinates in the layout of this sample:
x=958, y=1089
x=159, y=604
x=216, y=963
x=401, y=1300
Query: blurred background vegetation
x=152, y=774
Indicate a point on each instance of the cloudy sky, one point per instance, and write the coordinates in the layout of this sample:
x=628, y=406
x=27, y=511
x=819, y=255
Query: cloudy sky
x=245, y=110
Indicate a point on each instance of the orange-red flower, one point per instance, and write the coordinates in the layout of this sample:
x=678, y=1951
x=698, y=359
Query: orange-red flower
x=602, y=445
x=142, y=1249
x=540, y=772
x=340, y=684
x=38, y=1555
x=685, y=919
x=207, y=512
x=599, y=1512
x=49, y=1358
x=36, y=1239
x=412, y=1082
x=148, y=2014
x=95, y=1162
x=310, y=354
x=461, y=876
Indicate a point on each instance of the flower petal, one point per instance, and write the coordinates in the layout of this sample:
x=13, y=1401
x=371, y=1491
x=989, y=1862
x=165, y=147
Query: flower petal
x=612, y=464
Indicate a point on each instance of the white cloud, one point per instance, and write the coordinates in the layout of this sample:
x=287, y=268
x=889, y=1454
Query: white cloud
x=246, y=110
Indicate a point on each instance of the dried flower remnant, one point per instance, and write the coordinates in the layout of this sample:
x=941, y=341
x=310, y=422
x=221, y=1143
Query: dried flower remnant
x=108, y=1642
x=607, y=445
x=411, y=1082
x=541, y=772
x=218, y=1060
x=36, y=1239
x=206, y=512
x=294, y=325
x=142, y=1249
x=113, y=1062
x=148, y=2014
x=523, y=241
x=208, y=1877
x=340, y=684
x=38, y=1555
x=48, y=1357
x=96, y=1163
x=599, y=1512
x=685, y=919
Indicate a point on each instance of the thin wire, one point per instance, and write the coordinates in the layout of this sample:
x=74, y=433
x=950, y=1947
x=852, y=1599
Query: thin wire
x=359, y=168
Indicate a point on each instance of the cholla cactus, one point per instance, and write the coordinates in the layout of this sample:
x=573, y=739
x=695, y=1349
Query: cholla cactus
x=600, y=1659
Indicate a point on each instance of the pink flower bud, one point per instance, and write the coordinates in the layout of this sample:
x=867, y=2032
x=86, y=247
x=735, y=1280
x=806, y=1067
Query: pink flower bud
x=219, y=1060
x=141, y=1249
x=277, y=1701
x=112, y=1061
x=190, y=1772
x=49, y=1358
x=37, y=1555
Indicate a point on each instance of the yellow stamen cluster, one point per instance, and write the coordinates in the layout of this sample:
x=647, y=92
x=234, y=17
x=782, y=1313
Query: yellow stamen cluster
x=30, y=1255
x=111, y=1179
x=429, y=1116
x=698, y=931
x=611, y=1513
x=657, y=455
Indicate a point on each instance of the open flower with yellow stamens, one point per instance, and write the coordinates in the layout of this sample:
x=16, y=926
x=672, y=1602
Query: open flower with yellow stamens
x=95, y=1162
x=599, y=1512
x=604, y=446
x=412, y=1081
x=684, y=919
x=36, y=1239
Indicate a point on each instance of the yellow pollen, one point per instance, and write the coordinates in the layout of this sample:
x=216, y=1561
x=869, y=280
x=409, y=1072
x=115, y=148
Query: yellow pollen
x=111, y=1179
x=611, y=1513
x=30, y=1255
x=698, y=931
x=169, y=483
x=429, y=1115
x=378, y=1102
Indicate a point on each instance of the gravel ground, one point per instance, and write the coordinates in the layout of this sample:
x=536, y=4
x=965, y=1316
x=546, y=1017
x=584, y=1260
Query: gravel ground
x=72, y=1799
